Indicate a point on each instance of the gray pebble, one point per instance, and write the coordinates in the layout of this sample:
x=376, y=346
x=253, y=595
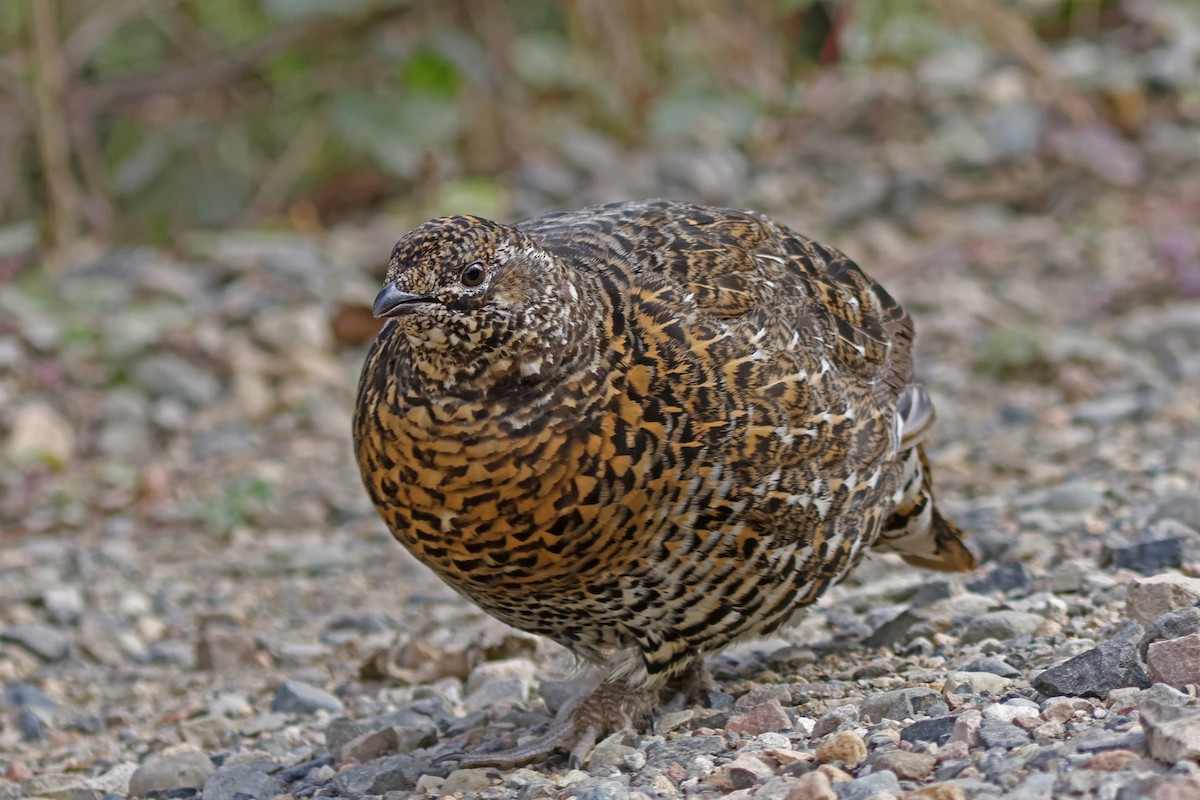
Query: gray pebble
x=1002, y=625
x=835, y=719
x=935, y=729
x=297, y=697
x=249, y=781
x=1071, y=497
x=1172, y=731
x=31, y=726
x=64, y=604
x=1000, y=734
x=185, y=769
x=994, y=665
x=167, y=375
x=1014, y=129
x=496, y=692
x=682, y=750
x=1011, y=580
x=899, y=704
x=398, y=773
x=339, y=731
x=26, y=695
x=43, y=641
x=608, y=789
x=868, y=787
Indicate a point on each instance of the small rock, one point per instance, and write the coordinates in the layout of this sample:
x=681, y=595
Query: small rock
x=31, y=726
x=673, y=720
x=1172, y=731
x=171, y=376
x=900, y=704
x=1007, y=579
x=502, y=691
x=466, y=780
x=396, y=774
x=370, y=746
x=813, y=785
x=39, y=431
x=1147, y=599
x=1094, y=673
x=1014, y=129
x=966, y=727
x=937, y=791
x=763, y=718
x=1111, y=760
x=935, y=729
x=978, y=682
x=994, y=665
x=226, y=649
x=615, y=752
x=17, y=772
x=1002, y=735
x=600, y=789
x=1148, y=558
x=1006, y=712
x=43, y=641
x=504, y=669
x=908, y=766
x=64, y=604
x=297, y=697
x=1171, y=625
x=876, y=786
x=743, y=772
x=1071, y=497
x=249, y=781
x=339, y=732
x=1002, y=625
x=185, y=768
x=26, y=695
x=1175, y=662
x=844, y=746
x=893, y=632
x=835, y=719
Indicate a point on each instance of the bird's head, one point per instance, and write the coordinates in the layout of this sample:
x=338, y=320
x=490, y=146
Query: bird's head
x=477, y=300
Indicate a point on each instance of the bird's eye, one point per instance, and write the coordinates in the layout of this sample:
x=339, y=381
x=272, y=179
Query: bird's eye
x=473, y=274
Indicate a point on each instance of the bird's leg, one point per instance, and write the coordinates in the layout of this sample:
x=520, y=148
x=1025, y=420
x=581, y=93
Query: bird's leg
x=692, y=687
x=613, y=705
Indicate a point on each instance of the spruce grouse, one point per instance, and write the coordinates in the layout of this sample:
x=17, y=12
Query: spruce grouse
x=644, y=430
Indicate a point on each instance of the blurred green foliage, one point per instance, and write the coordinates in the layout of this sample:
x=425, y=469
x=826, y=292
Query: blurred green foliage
x=183, y=113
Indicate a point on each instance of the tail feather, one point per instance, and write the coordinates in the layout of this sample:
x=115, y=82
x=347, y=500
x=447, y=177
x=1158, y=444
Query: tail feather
x=916, y=531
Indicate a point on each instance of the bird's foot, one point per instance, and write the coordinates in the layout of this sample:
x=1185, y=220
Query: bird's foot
x=610, y=708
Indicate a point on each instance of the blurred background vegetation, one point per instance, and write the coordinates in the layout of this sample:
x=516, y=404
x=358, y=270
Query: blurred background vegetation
x=133, y=120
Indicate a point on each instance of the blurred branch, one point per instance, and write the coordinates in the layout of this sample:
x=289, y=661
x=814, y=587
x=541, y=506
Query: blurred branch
x=50, y=92
x=216, y=69
x=300, y=152
x=97, y=29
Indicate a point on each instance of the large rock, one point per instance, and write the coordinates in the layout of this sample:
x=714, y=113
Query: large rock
x=1095, y=673
x=1175, y=662
x=1172, y=731
x=1147, y=599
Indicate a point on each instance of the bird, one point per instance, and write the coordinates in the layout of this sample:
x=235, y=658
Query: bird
x=645, y=430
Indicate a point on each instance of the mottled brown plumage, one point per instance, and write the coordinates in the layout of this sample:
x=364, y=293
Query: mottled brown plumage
x=643, y=430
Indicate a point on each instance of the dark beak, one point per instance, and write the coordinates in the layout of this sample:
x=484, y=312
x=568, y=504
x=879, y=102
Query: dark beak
x=391, y=302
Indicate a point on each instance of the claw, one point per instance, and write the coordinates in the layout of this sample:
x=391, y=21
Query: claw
x=611, y=707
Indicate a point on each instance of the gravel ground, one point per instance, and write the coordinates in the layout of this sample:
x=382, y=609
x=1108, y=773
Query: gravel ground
x=196, y=598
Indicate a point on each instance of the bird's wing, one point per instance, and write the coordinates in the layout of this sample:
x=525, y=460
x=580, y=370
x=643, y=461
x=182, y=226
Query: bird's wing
x=746, y=269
